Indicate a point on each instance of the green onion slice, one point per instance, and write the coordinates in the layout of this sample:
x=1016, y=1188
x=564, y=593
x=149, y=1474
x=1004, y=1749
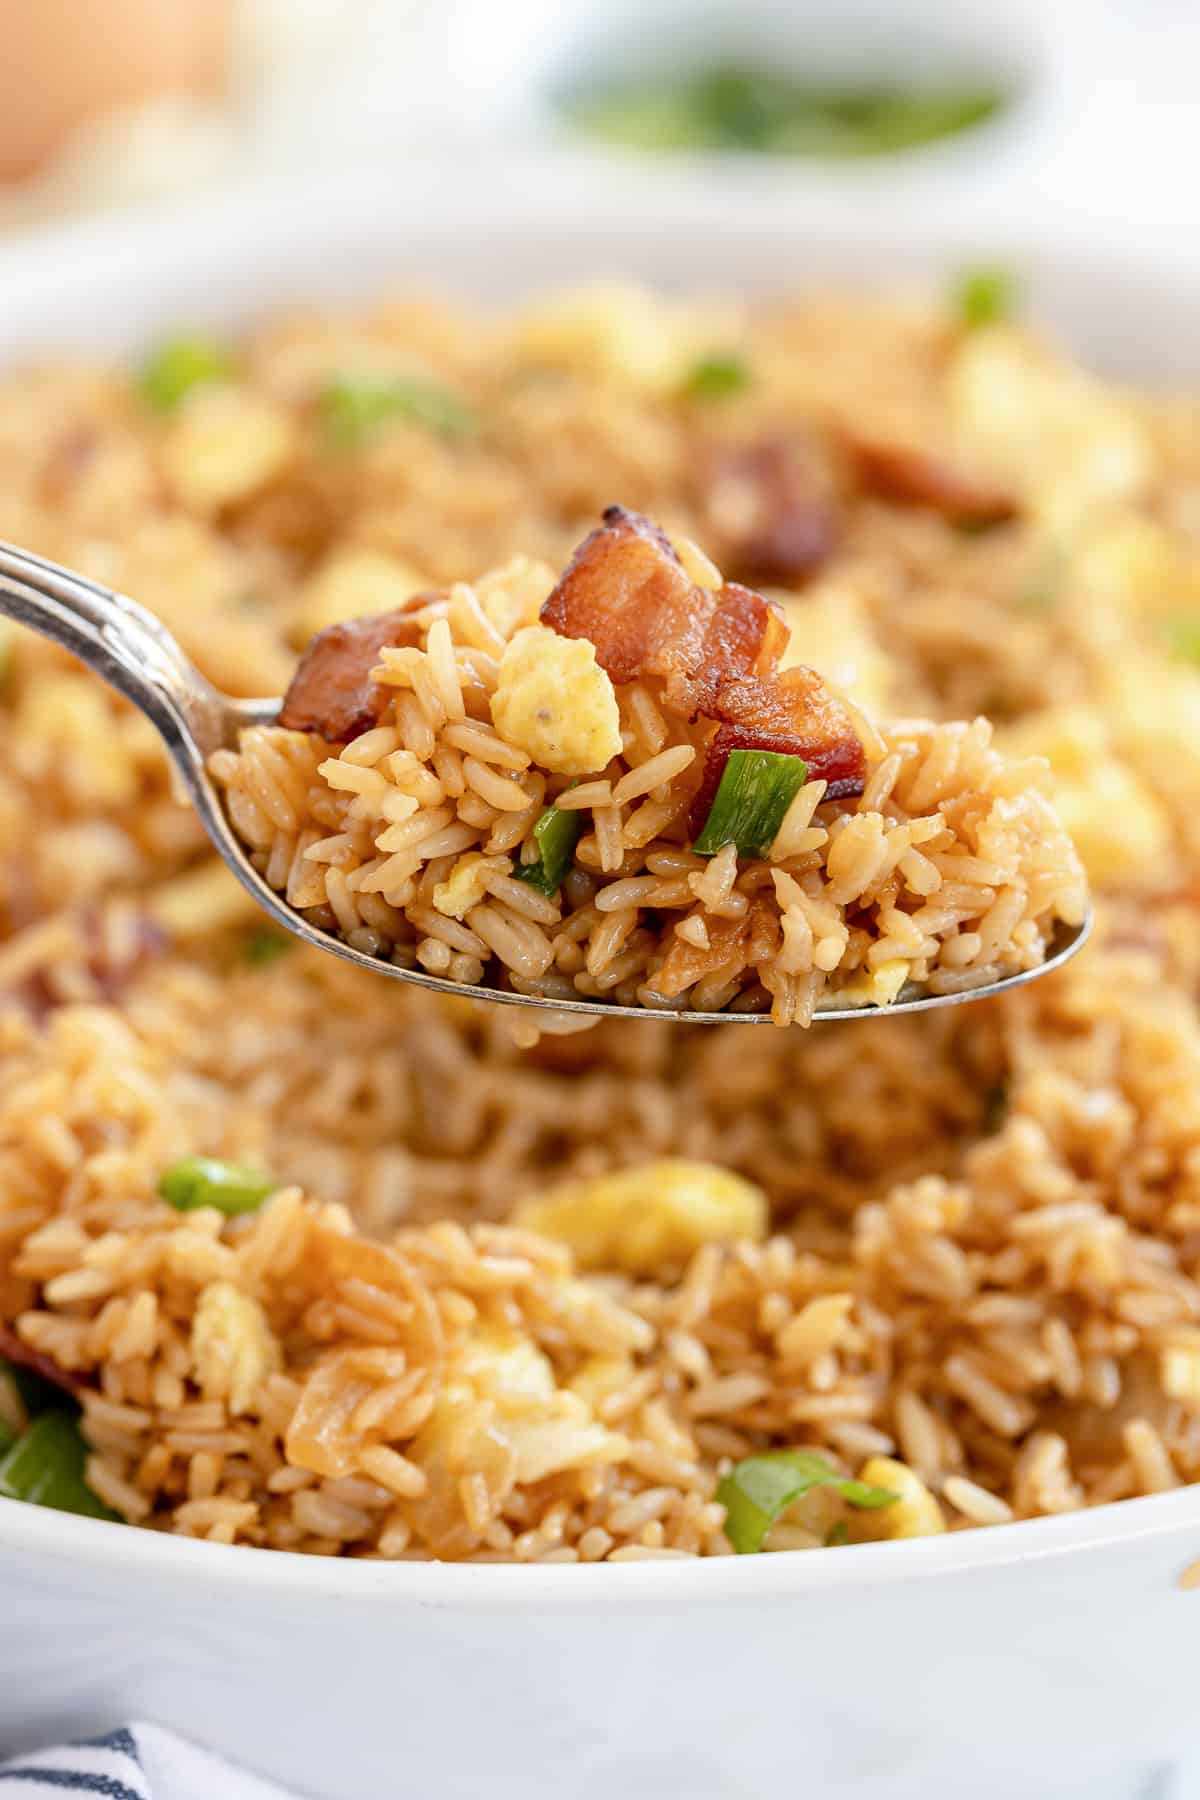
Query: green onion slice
x=757, y=787
x=352, y=407
x=266, y=946
x=178, y=366
x=556, y=835
x=757, y=1490
x=203, y=1181
x=46, y=1465
x=985, y=296
x=715, y=376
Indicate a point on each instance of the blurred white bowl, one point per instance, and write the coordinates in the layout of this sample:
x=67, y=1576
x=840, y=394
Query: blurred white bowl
x=1053, y=1657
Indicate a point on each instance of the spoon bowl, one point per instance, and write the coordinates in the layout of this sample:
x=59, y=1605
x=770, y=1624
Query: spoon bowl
x=135, y=654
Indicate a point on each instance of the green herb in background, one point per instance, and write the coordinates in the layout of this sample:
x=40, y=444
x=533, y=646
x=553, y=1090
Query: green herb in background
x=995, y=1107
x=731, y=107
x=1183, y=637
x=265, y=946
x=46, y=1465
x=757, y=787
x=204, y=1181
x=715, y=376
x=1041, y=591
x=556, y=835
x=986, y=295
x=838, y=1533
x=180, y=365
x=759, y=1489
x=353, y=407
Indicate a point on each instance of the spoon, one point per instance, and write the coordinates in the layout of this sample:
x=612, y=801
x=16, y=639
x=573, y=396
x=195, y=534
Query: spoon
x=129, y=649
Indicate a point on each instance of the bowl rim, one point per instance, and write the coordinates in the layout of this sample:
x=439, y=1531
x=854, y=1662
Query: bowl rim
x=104, y=1547
x=268, y=218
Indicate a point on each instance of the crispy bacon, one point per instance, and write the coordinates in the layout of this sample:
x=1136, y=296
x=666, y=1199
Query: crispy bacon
x=626, y=591
x=716, y=655
x=331, y=692
x=911, y=477
x=15, y=1350
x=746, y=636
x=771, y=507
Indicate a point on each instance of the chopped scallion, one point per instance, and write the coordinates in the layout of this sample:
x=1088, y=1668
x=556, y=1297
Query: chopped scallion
x=756, y=789
x=556, y=835
x=46, y=1467
x=178, y=366
x=352, y=407
x=204, y=1181
x=986, y=295
x=715, y=376
x=759, y=1489
x=265, y=946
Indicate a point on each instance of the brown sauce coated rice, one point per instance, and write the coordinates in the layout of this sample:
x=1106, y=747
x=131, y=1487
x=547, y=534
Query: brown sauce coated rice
x=969, y=1243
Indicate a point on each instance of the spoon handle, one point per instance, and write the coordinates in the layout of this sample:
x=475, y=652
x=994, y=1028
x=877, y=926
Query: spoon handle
x=129, y=649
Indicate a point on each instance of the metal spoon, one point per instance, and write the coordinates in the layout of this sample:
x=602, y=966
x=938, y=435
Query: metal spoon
x=128, y=648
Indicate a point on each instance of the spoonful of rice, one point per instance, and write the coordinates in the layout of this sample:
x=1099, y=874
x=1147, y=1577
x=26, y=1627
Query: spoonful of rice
x=614, y=793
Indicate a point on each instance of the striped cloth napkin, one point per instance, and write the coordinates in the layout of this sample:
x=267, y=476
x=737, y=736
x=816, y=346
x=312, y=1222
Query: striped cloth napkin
x=135, y=1762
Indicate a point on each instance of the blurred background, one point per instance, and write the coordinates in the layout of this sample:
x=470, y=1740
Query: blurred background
x=1086, y=108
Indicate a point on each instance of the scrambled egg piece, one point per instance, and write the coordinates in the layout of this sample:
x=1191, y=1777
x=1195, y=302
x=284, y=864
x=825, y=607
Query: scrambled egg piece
x=915, y=1513
x=606, y=328
x=876, y=987
x=1133, y=568
x=201, y=900
x=223, y=444
x=349, y=584
x=465, y=886
x=506, y=1366
x=641, y=1219
x=233, y=1346
x=65, y=718
x=831, y=632
x=500, y=1411
x=554, y=701
x=1120, y=828
x=1065, y=441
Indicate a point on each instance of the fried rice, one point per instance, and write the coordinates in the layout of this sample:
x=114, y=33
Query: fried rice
x=507, y=1304
x=913, y=853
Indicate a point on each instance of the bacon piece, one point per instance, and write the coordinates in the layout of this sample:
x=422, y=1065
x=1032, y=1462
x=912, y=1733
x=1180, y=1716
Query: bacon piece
x=717, y=656
x=771, y=507
x=15, y=1350
x=912, y=477
x=331, y=692
x=626, y=591
x=746, y=635
x=686, y=964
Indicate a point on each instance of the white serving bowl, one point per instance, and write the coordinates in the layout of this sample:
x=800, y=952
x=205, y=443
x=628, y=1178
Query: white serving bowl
x=1054, y=1658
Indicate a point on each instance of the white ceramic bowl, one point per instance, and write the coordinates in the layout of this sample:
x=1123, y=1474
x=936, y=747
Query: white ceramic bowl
x=1054, y=1658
